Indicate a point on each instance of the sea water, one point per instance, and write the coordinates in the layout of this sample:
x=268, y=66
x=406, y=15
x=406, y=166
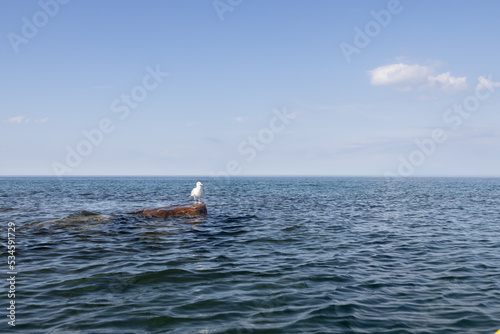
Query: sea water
x=273, y=255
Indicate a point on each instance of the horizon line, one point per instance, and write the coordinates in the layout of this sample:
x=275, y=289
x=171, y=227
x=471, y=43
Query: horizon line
x=252, y=175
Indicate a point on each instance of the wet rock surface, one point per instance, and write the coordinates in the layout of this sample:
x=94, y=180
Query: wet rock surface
x=191, y=209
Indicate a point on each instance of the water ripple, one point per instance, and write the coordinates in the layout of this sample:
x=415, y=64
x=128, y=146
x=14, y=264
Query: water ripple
x=289, y=255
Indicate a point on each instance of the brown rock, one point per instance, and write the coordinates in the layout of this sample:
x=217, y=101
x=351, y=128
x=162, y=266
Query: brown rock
x=193, y=209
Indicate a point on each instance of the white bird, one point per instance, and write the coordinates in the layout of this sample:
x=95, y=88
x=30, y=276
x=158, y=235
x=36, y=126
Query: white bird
x=196, y=192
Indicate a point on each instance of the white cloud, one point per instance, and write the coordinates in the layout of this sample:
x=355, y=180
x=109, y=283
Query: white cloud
x=408, y=77
x=169, y=154
x=486, y=83
x=448, y=83
x=17, y=120
x=399, y=74
x=22, y=119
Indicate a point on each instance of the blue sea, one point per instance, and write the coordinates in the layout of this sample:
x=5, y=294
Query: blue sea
x=273, y=255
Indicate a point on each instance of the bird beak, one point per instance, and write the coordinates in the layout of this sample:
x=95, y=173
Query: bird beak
x=201, y=183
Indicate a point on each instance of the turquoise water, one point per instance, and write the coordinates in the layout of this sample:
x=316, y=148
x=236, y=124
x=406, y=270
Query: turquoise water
x=273, y=255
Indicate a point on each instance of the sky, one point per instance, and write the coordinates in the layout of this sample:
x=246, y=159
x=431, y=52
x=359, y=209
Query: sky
x=240, y=87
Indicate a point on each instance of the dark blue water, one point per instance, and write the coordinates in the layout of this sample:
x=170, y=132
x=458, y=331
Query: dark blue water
x=273, y=255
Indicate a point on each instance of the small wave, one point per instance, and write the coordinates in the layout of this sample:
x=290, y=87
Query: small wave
x=239, y=219
x=83, y=213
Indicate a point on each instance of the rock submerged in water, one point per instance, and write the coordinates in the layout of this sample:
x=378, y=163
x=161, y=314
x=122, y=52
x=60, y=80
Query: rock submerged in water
x=193, y=209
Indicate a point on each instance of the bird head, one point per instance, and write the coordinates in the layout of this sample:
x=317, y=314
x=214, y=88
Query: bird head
x=199, y=184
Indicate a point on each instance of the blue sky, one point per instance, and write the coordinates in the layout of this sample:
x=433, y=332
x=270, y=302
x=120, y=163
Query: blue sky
x=257, y=87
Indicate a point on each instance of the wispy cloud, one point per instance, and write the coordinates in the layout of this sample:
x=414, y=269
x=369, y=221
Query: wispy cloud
x=169, y=154
x=485, y=83
x=447, y=82
x=17, y=120
x=407, y=77
x=42, y=120
x=23, y=120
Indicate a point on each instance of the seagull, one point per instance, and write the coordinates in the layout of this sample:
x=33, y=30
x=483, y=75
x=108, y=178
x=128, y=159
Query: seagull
x=196, y=192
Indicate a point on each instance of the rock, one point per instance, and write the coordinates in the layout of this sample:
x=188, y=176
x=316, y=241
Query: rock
x=193, y=209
